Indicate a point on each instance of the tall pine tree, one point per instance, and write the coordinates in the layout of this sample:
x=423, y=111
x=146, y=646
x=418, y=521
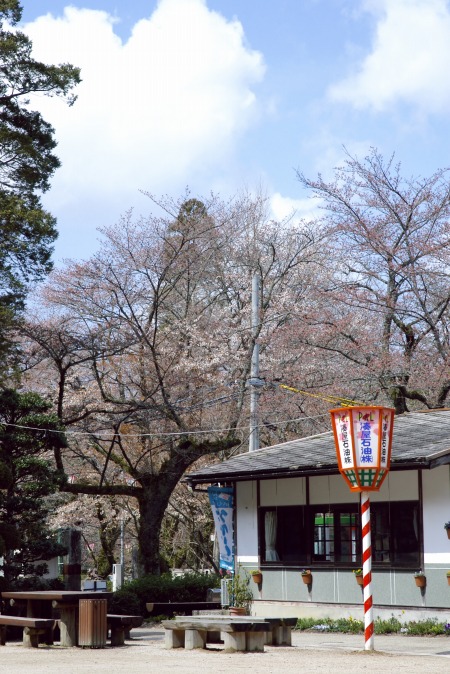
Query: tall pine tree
x=27, y=162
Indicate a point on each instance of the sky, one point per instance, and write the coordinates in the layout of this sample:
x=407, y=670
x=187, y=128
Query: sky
x=225, y=95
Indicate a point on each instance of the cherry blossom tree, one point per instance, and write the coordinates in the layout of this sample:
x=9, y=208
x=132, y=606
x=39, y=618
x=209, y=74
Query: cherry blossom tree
x=382, y=307
x=146, y=347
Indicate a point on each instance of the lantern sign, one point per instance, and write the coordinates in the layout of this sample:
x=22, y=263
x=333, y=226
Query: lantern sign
x=363, y=439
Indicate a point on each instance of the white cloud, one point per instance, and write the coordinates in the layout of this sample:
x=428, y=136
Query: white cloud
x=169, y=102
x=409, y=58
x=285, y=207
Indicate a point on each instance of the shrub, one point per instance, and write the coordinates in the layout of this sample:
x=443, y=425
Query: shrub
x=390, y=626
x=124, y=602
x=425, y=627
x=134, y=595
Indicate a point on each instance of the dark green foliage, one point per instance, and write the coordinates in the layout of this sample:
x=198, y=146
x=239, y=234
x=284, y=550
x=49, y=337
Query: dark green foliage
x=27, y=233
x=126, y=602
x=27, y=162
x=190, y=587
x=6, y=477
x=26, y=435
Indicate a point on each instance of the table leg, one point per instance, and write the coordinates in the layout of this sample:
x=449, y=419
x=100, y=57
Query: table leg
x=234, y=641
x=174, y=638
x=286, y=638
x=255, y=641
x=68, y=626
x=194, y=639
x=38, y=609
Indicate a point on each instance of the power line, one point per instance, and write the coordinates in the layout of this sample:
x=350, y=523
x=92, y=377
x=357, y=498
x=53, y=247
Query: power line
x=109, y=435
x=346, y=402
x=334, y=400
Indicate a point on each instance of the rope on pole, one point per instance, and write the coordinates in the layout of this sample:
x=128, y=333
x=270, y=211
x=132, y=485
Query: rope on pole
x=367, y=571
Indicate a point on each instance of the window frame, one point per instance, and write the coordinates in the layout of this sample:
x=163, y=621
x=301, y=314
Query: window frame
x=307, y=512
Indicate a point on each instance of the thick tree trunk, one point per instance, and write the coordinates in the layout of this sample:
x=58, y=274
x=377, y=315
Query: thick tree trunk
x=152, y=506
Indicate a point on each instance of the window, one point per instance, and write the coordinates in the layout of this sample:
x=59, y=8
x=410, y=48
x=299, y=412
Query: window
x=336, y=536
x=329, y=535
x=284, y=535
x=395, y=533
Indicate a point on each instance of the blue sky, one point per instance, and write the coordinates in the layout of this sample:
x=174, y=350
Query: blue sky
x=224, y=94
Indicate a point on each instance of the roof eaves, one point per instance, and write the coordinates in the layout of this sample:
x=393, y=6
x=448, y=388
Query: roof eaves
x=310, y=471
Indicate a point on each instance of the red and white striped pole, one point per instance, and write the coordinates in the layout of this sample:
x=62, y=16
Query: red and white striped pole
x=367, y=570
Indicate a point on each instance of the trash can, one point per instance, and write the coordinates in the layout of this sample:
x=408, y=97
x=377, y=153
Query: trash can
x=92, y=629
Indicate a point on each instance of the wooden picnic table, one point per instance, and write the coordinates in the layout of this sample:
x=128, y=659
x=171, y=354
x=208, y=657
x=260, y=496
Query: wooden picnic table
x=39, y=604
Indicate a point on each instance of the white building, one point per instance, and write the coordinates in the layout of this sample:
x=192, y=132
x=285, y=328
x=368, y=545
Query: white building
x=293, y=511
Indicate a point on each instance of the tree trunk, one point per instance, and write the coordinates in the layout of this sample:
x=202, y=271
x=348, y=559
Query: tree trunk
x=152, y=506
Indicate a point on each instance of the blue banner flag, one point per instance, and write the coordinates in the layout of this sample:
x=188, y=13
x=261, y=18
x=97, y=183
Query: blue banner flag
x=222, y=503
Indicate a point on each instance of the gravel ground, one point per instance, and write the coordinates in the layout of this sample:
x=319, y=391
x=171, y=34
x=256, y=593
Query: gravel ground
x=311, y=652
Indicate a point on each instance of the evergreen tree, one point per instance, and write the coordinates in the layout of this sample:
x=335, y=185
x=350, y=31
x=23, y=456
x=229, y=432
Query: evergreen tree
x=27, y=478
x=27, y=162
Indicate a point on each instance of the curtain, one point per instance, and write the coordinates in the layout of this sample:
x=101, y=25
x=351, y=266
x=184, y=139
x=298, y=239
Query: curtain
x=270, y=530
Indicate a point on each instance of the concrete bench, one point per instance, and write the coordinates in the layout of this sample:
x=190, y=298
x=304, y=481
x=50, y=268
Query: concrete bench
x=120, y=626
x=243, y=634
x=171, y=607
x=32, y=628
x=280, y=633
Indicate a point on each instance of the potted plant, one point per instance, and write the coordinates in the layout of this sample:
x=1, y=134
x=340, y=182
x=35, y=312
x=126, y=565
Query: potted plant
x=241, y=594
x=306, y=576
x=447, y=528
x=359, y=576
x=256, y=575
x=448, y=577
x=420, y=578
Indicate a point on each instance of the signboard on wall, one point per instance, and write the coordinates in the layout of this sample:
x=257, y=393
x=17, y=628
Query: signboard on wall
x=222, y=504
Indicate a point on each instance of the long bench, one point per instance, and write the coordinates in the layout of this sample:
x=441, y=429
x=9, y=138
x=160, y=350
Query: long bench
x=120, y=626
x=171, y=607
x=243, y=634
x=280, y=633
x=33, y=627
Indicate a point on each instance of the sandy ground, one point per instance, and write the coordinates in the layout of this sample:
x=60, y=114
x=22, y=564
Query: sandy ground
x=311, y=652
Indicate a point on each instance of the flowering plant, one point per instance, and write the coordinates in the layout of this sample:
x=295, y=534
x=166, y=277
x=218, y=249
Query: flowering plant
x=256, y=572
x=306, y=572
x=418, y=574
x=447, y=525
x=358, y=572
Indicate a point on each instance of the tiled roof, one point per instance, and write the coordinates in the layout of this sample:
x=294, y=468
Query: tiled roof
x=421, y=440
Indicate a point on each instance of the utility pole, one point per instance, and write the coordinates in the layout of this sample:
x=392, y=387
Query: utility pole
x=255, y=382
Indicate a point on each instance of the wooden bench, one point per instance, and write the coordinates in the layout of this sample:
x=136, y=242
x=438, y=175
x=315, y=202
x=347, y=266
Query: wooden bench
x=243, y=634
x=120, y=626
x=32, y=628
x=280, y=633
